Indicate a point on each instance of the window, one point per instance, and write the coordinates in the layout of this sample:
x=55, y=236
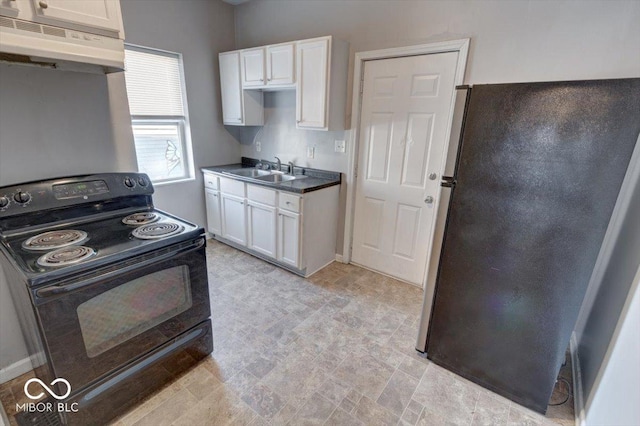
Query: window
x=159, y=117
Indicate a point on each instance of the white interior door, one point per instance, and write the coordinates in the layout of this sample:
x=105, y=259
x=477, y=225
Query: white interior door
x=406, y=108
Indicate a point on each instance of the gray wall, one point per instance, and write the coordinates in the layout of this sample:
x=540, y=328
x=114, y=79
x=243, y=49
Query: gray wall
x=52, y=123
x=511, y=41
x=199, y=30
x=56, y=123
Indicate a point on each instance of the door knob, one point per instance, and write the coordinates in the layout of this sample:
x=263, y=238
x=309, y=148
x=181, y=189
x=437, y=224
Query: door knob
x=429, y=199
x=432, y=176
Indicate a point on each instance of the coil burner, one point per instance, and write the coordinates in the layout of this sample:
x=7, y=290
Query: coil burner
x=157, y=230
x=54, y=240
x=143, y=218
x=66, y=256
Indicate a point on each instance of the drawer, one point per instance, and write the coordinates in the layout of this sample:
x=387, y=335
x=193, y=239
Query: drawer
x=233, y=187
x=211, y=181
x=289, y=202
x=261, y=195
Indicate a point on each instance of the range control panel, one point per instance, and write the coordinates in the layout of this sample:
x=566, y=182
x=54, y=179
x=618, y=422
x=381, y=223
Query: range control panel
x=66, y=192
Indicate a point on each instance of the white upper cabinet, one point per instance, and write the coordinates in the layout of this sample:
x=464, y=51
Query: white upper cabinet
x=252, y=67
x=313, y=74
x=95, y=14
x=268, y=66
x=321, y=74
x=315, y=68
x=280, y=64
x=239, y=107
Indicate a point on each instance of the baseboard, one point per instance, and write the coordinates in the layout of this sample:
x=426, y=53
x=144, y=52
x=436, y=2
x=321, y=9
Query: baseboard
x=339, y=258
x=16, y=369
x=578, y=397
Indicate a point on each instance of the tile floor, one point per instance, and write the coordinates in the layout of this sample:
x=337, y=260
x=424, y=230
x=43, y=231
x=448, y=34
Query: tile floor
x=334, y=349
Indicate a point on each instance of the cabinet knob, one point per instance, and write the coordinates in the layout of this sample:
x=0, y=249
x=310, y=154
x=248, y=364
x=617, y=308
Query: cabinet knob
x=268, y=79
x=43, y=4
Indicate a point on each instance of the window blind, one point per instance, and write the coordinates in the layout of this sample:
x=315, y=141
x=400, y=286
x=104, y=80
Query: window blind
x=153, y=83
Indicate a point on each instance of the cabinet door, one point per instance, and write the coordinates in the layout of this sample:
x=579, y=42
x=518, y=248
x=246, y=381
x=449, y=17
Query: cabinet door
x=252, y=67
x=234, y=219
x=262, y=228
x=214, y=221
x=312, y=59
x=102, y=14
x=280, y=65
x=289, y=238
x=231, y=88
x=9, y=8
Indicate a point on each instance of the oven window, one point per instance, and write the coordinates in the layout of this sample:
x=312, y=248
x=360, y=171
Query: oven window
x=132, y=308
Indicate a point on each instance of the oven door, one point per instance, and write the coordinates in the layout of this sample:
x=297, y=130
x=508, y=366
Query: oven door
x=103, y=320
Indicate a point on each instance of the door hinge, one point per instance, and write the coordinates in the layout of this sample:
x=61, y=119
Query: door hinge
x=361, y=86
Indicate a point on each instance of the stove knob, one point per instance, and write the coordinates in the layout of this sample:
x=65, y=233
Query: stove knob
x=129, y=183
x=4, y=202
x=142, y=181
x=22, y=197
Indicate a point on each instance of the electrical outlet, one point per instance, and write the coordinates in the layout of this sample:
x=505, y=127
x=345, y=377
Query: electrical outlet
x=311, y=151
x=341, y=146
x=258, y=146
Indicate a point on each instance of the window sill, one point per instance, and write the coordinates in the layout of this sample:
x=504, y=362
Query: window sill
x=171, y=182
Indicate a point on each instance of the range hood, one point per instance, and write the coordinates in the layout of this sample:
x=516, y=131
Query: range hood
x=32, y=35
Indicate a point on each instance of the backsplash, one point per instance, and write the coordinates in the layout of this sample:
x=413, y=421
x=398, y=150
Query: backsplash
x=279, y=137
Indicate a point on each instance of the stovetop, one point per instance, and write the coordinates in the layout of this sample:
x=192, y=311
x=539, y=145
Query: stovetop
x=110, y=239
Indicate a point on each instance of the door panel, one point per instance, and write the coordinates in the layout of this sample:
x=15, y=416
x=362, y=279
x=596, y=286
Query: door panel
x=252, y=67
x=416, y=149
x=380, y=133
x=312, y=58
x=213, y=211
x=262, y=228
x=289, y=238
x=405, y=116
x=233, y=219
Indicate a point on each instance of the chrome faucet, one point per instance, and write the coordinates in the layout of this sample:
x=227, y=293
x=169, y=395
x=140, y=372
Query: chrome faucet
x=291, y=168
x=279, y=164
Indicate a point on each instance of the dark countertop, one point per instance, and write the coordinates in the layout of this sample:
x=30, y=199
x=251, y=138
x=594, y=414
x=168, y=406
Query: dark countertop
x=315, y=180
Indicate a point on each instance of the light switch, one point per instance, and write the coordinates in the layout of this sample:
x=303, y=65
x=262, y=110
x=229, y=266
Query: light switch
x=311, y=151
x=341, y=146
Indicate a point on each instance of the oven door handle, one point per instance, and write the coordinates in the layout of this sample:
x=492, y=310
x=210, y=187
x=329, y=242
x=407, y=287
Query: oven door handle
x=65, y=288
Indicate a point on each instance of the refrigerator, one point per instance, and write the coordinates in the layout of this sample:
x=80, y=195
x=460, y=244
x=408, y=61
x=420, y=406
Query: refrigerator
x=532, y=174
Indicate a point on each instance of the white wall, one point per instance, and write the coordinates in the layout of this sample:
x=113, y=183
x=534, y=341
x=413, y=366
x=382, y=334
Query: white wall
x=603, y=310
x=615, y=399
x=199, y=30
x=511, y=41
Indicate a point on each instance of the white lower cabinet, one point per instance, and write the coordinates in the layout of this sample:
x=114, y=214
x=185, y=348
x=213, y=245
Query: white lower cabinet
x=214, y=220
x=234, y=220
x=289, y=238
x=262, y=228
x=296, y=231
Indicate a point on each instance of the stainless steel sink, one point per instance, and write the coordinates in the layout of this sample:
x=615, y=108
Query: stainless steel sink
x=247, y=172
x=276, y=178
x=263, y=175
